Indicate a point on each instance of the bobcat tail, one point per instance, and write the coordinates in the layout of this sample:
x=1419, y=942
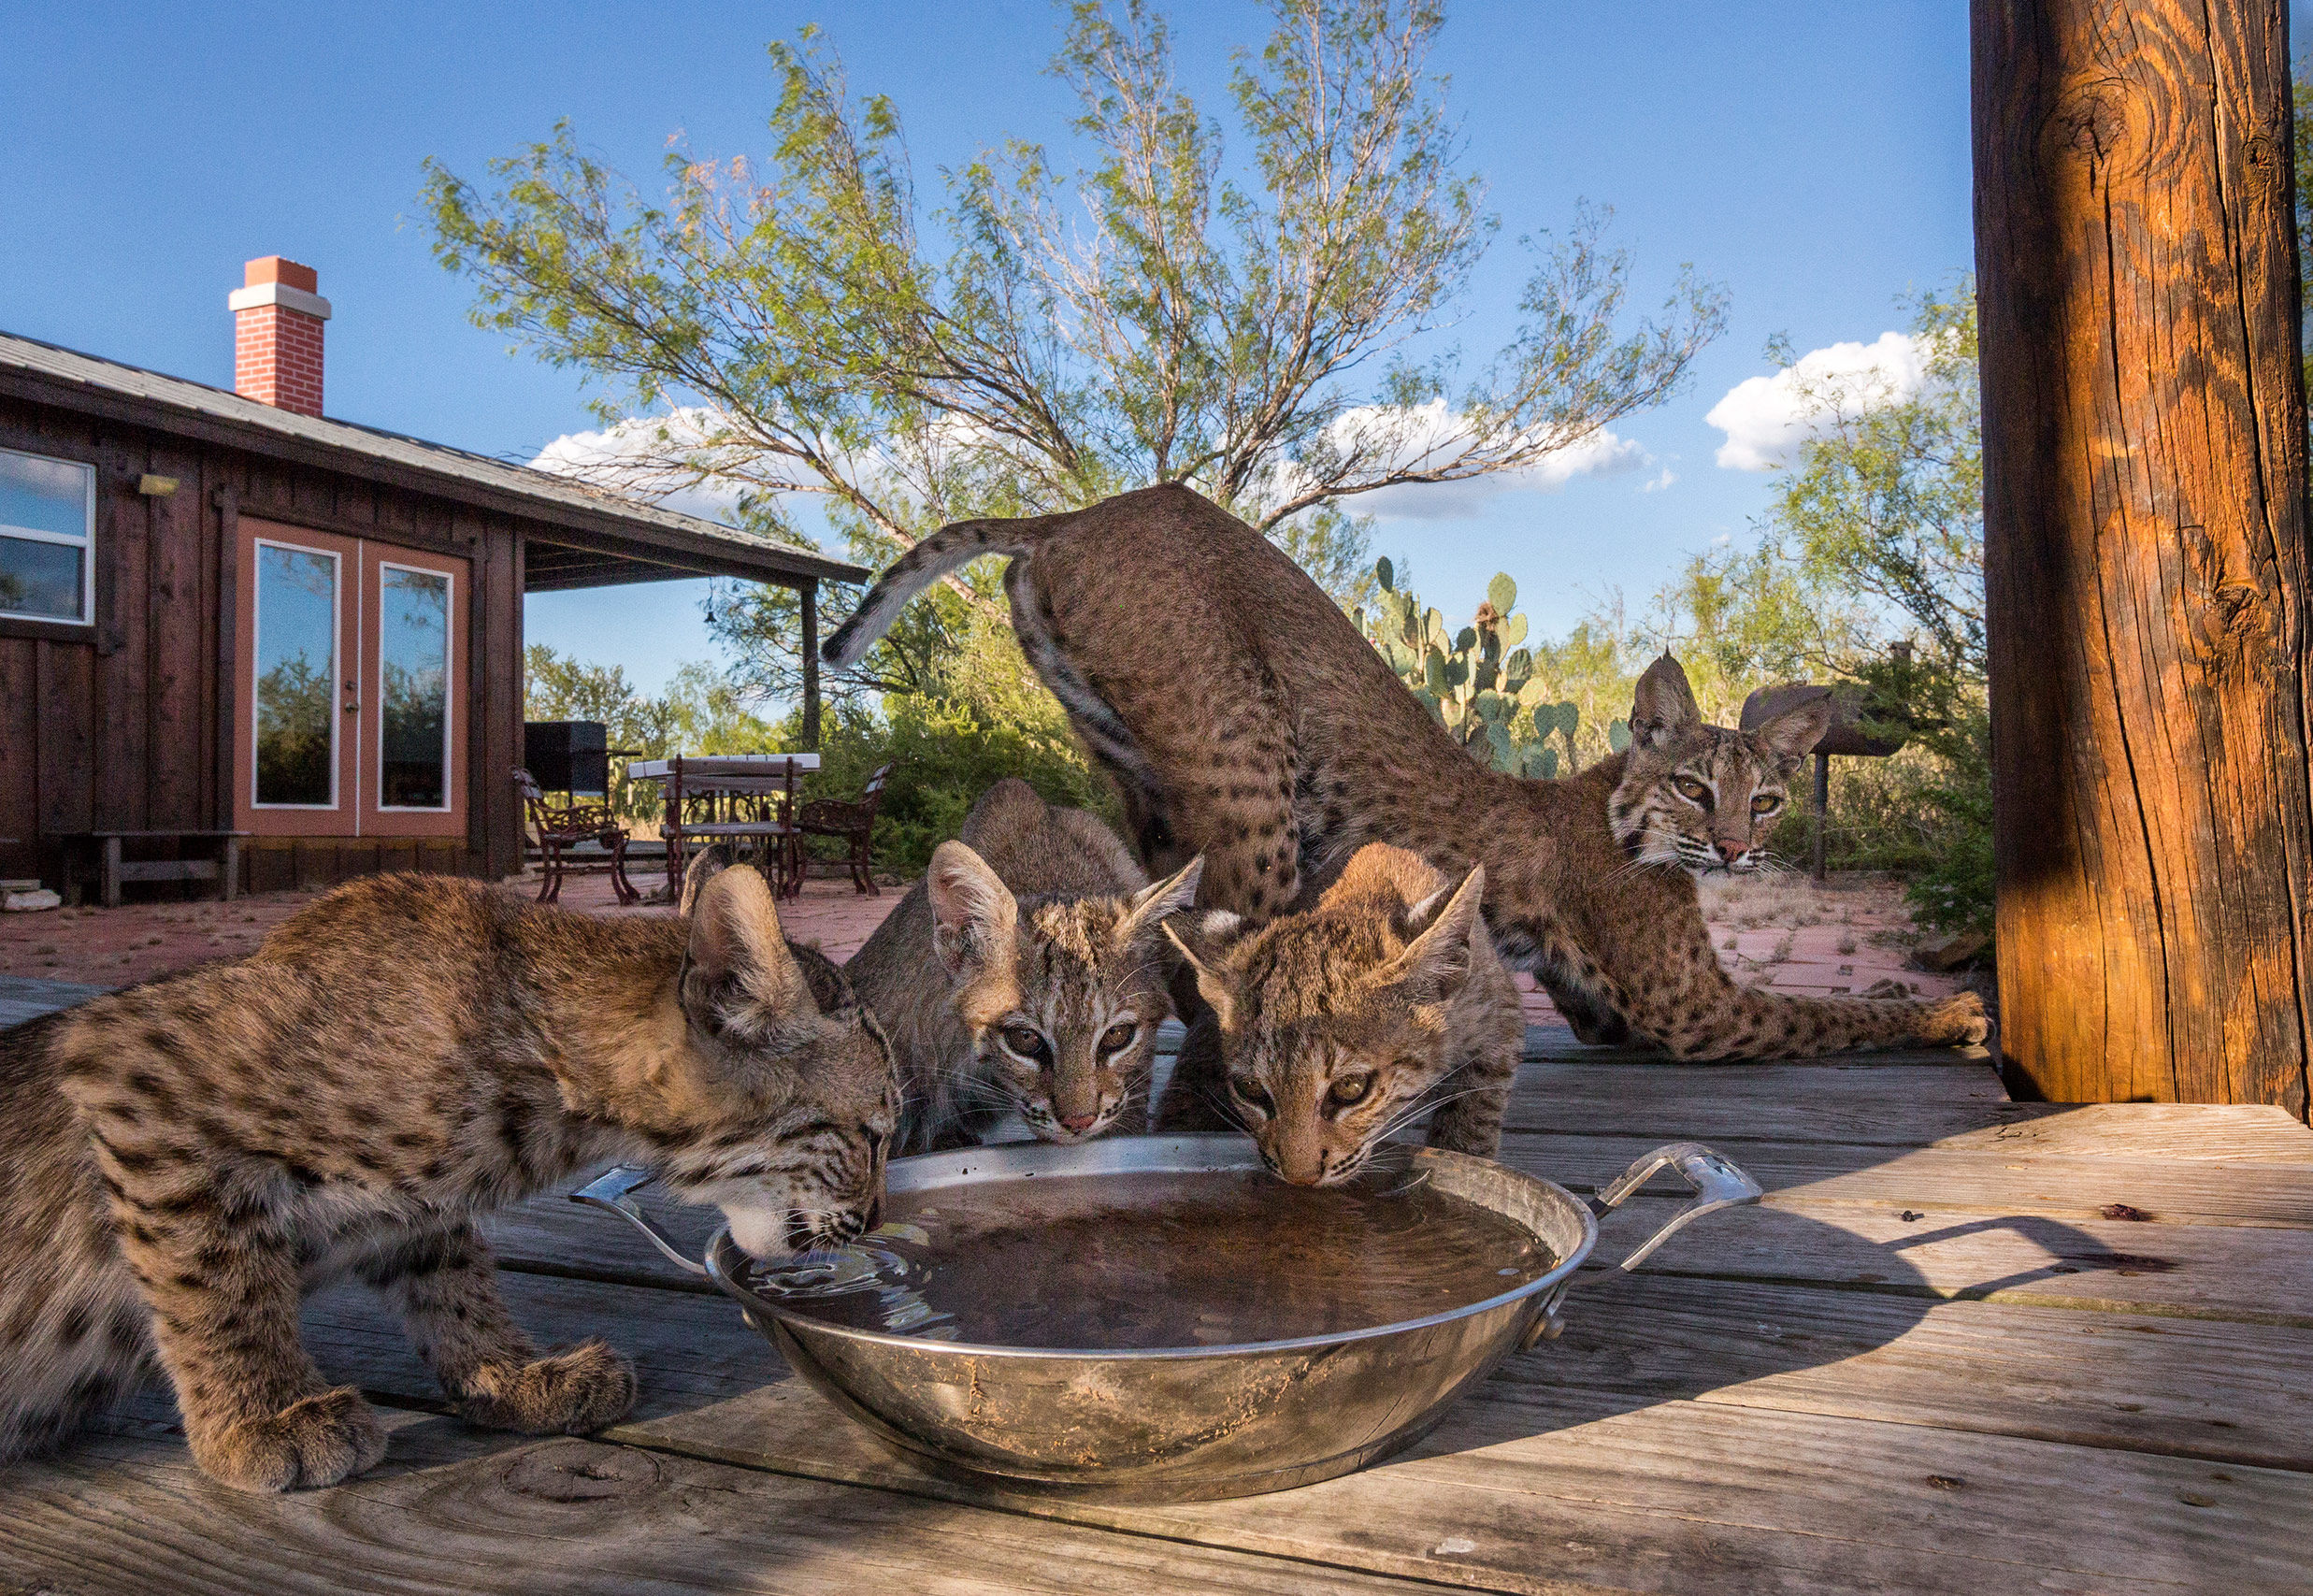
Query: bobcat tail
x=952, y=547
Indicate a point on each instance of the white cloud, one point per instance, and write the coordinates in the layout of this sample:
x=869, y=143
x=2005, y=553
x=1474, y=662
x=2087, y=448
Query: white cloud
x=1657, y=483
x=1432, y=433
x=1766, y=419
x=624, y=458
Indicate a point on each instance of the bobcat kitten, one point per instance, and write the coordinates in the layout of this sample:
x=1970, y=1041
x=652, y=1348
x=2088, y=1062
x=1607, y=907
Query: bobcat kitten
x=1242, y=718
x=180, y=1161
x=1332, y=1028
x=1024, y=972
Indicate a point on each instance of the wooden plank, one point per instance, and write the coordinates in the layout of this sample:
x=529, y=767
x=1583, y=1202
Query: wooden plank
x=20, y=728
x=2259, y=1275
x=175, y=628
x=2179, y=1387
x=1874, y=1106
x=122, y=752
x=1556, y=1044
x=456, y=1511
x=1587, y=1447
x=1665, y=1495
x=2162, y=1190
x=62, y=676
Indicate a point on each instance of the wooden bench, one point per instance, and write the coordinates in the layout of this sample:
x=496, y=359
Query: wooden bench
x=109, y=869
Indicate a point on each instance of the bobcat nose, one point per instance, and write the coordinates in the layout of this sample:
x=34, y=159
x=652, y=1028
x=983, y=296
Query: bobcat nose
x=1730, y=852
x=1079, y=1121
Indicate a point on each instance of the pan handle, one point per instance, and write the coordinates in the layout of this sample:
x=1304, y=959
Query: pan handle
x=1717, y=1185
x=613, y=1193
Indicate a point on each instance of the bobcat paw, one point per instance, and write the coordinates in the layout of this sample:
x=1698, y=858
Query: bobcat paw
x=316, y=1441
x=1962, y=1020
x=1888, y=987
x=572, y=1393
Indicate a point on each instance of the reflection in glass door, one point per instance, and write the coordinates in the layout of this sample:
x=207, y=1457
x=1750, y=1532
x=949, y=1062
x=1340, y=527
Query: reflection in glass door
x=351, y=686
x=413, y=648
x=297, y=677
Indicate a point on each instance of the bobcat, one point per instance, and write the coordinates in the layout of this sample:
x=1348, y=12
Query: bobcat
x=1243, y=717
x=183, y=1159
x=1024, y=970
x=1328, y=1028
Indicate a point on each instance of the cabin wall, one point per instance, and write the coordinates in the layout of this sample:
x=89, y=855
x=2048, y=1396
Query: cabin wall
x=121, y=725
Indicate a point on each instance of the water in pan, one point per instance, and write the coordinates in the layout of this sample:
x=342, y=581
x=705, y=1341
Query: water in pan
x=1117, y=1262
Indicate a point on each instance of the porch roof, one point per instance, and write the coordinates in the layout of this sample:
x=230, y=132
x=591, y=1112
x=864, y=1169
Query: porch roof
x=584, y=537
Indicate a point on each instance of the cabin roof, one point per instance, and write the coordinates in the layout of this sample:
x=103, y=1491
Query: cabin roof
x=642, y=538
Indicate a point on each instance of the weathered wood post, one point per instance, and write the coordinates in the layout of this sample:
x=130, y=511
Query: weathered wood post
x=2144, y=561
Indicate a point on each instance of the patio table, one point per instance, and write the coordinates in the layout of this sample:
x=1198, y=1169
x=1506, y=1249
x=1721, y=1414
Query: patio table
x=1965, y=1346
x=725, y=775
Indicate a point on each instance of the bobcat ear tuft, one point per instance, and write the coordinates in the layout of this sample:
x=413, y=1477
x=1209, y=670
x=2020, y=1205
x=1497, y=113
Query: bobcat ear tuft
x=973, y=913
x=1794, y=733
x=707, y=864
x=1436, y=965
x=1203, y=942
x=1153, y=905
x=738, y=970
x=1662, y=707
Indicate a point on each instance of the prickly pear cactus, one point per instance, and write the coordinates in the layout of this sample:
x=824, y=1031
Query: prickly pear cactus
x=1479, y=682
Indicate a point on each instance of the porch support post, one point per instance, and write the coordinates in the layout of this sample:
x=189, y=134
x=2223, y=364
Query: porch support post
x=2145, y=562
x=807, y=593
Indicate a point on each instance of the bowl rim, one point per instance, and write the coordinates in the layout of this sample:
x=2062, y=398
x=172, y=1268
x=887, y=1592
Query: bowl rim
x=721, y=1248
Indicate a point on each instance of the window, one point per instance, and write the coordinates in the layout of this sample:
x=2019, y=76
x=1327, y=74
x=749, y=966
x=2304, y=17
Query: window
x=48, y=518
x=297, y=677
x=413, y=648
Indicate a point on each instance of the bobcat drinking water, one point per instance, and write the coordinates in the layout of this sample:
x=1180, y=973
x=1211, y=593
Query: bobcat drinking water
x=1244, y=718
x=1330, y=1029
x=180, y=1160
x=1026, y=971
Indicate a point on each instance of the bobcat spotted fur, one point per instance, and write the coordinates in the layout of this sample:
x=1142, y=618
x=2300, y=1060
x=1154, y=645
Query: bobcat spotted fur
x=1242, y=718
x=1327, y=1029
x=180, y=1160
x=1026, y=971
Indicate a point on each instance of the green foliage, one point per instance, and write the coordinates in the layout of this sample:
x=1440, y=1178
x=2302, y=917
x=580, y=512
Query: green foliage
x=701, y=712
x=1480, y=683
x=789, y=325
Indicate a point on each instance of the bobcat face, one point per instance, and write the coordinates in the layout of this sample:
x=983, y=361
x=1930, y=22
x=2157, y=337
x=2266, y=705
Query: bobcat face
x=1063, y=995
x=1703, y=796
x=782, y=1078
x=1335, y=1024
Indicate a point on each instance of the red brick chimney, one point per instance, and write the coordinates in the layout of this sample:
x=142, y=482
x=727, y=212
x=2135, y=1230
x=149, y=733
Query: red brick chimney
x=276, y=335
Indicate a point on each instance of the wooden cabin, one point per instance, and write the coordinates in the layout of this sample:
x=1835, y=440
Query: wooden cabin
x=228, y=612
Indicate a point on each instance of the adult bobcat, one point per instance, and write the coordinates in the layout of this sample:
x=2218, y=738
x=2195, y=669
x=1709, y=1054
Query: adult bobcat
x=1243, y=717
x=1026, y=971
x=179, y=1161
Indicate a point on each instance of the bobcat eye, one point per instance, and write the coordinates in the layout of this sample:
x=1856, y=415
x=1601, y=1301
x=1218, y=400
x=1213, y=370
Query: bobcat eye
x=1118, y=1037
x=1766, y=803
x=1028, y=1042
x=1248, y=1090
x=1352, y=1089
x=1691, y=790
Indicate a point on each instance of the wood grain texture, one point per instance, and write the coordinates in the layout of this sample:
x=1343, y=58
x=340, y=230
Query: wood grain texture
x=456, y=1511
x=1871, y=1106
x=2145, y=485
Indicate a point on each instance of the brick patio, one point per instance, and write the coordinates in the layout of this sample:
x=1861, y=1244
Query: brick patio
x=1787, y=933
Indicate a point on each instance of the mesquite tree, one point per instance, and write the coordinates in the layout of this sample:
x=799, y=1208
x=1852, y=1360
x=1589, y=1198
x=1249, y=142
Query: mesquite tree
x=1071, y=324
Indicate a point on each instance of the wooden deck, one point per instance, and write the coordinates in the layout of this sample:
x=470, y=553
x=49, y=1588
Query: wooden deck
x=1965, y=1346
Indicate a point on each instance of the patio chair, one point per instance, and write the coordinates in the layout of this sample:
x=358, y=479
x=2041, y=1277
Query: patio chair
x=564, y=826
x=853, y=822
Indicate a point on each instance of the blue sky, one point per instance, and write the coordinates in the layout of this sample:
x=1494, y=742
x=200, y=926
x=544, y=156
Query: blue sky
x=1811, y=158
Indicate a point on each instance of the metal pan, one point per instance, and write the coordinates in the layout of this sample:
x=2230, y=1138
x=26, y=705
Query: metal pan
x=1184, y=1424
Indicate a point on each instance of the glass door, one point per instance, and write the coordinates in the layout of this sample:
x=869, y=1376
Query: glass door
x=297, y=722
x=350, y=688
x=412, y=625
